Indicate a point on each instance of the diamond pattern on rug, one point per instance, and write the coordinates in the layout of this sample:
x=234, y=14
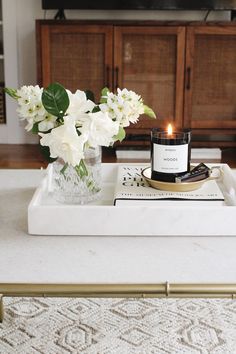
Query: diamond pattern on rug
x=118, y=326
x=78, y=337
x=27, y=308
x=16, y=337
x=133, y=308
x=202, y=336
x=135, y=336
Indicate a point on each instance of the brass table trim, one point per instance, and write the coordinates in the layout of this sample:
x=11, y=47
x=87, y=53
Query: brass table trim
x=106, y=290
x=174, y=290
x=1, y=308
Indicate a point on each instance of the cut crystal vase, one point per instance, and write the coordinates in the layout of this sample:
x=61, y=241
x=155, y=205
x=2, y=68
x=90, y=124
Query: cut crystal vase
x=77, y=185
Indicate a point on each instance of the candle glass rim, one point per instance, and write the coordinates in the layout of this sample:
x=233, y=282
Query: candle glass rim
x=159, y=133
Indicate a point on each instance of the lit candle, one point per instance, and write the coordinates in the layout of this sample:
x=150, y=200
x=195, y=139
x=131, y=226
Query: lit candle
x=169, y=129
x=170, y=151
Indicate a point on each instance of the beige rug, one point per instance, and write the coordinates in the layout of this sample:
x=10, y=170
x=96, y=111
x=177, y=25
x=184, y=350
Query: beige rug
x=118, y=326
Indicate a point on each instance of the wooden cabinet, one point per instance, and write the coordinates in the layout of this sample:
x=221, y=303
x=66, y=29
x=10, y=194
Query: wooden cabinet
x=78, y=57
x=150, y=61
x=210, y=91
x=146, y=59
x=185, y=71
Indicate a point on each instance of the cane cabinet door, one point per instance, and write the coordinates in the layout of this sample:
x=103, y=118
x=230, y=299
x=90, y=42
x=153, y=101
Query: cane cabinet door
x=210, y=85
x=150, y=61
x=77, y=56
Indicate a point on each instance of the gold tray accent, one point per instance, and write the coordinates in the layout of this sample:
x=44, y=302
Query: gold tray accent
x=172, y=186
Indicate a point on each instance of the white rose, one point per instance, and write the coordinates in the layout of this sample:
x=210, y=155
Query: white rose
x=65, y=143
x=99, y=129
x=79, y=104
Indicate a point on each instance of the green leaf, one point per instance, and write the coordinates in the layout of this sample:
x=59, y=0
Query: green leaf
x=46, y=153
x=104, y=93
x=96, y=109
x=121, y=134
x=81, y=169
x=64, y=169
x=35, y=128
x=55, y=100
x=11, y=92
x=149, y=112
x=90, y=95
x=85, y=175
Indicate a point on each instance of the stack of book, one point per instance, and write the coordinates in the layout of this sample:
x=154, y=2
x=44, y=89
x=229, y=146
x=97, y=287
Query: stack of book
x=132, y=189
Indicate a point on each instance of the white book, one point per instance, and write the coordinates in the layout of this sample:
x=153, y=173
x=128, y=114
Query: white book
x=133, y=154
x=206, y=153
x=132, y=189
x=196, y=153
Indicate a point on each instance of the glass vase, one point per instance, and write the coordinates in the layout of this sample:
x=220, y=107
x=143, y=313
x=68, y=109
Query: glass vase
x=80, y=184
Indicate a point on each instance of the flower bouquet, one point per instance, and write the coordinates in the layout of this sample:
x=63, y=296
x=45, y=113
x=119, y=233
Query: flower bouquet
x=72, y=128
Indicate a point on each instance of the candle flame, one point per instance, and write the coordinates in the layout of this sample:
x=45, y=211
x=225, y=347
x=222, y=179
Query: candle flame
x=169, y=129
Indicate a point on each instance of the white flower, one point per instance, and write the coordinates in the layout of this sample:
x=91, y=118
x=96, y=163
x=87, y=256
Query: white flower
x=65, y=143
x=99, y=129
x=30, y=123
x=78, y=104
x=31, y=108
x=29, y=94
x=125, y=107
x=48, y=123
x=68, y=136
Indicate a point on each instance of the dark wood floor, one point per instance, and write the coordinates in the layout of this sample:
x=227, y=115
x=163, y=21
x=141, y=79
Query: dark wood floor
x=29, y=156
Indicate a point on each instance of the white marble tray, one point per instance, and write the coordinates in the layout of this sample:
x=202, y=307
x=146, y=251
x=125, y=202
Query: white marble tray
x=47, y=217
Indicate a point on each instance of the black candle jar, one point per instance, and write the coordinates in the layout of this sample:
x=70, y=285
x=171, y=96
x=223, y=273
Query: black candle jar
x=170, y=154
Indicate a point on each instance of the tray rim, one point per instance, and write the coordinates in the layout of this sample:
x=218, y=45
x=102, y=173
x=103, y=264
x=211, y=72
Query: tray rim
x=217, y=217
x=111, y=166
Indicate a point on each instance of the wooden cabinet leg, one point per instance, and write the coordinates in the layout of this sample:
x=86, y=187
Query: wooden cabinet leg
x=1, y=308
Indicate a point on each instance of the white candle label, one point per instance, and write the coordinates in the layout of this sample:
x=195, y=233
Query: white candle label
x=170, y=158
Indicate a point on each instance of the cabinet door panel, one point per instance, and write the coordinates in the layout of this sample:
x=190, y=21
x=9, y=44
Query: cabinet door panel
x=210, y=94
x=150, y=61
x=79, y=57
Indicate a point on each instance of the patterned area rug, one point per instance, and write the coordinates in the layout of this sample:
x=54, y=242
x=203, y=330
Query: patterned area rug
x=118, y=326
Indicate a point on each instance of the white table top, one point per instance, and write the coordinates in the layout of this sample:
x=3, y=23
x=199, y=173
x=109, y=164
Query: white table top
x=76, y=259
